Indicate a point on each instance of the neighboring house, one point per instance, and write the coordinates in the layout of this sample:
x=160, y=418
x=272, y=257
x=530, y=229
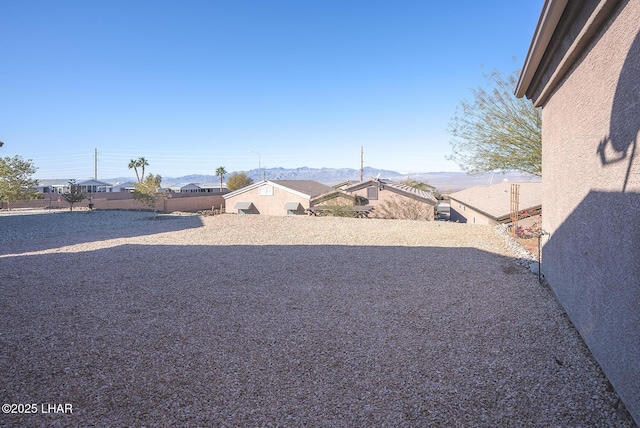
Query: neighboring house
x=212, y=187
x=197, y=188
x=184, y=188
x=376, y=193
x=86, y=186
x=274, y=197
x=583, y=69
x=128, y=187
x=492, y=204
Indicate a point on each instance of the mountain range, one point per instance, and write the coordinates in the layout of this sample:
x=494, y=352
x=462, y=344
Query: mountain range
x=444, y=182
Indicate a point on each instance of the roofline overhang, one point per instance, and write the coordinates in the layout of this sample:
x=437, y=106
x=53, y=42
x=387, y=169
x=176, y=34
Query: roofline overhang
x=552, y=11
x=262, y=183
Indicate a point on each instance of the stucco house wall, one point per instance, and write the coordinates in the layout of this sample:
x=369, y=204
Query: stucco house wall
x=267, y=204
x=383, y=196
x=588, y=85
x=462, y=213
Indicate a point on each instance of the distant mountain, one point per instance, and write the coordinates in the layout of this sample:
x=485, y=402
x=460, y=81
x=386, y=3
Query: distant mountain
x=449, y=182
x=444, y=182
x=327, y=176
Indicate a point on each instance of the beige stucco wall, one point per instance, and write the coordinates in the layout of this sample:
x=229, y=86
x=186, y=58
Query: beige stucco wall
x=267, y=205
x=591, y=179
x=464, y=214
x=125, y=201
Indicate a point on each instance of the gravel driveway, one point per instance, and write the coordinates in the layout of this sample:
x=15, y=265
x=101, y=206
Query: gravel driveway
x=282, y=321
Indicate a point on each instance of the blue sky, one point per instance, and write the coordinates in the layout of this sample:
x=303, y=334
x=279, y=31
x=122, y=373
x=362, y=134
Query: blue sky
x=194, y=85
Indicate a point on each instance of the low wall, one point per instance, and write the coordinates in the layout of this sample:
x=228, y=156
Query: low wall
x=125, y=201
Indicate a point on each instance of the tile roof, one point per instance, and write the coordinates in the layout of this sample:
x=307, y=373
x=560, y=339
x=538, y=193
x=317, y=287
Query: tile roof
x=394, y=187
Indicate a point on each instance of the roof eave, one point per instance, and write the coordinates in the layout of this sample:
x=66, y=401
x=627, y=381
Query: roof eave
x=552, y=11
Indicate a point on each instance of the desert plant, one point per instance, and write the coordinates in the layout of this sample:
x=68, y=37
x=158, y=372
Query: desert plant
x=238, y=180
x=338, y=208
x=404, y=209
x=74, y=194
x=147, y=191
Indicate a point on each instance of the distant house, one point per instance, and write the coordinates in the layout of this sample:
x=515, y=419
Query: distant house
x=128, y=187
x=212, y=187
x=185, y=188
x=197, y=188
x=492, y=204
x=583, y=70
x=274, y=197
x=86, y=186
x=377, y=194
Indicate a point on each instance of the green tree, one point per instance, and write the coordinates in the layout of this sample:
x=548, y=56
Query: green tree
x=238, y=180
x=220, y=172
x=74, y=194
x=497, y=131
x=138, y=163
x=16, y=184
x=147, y=191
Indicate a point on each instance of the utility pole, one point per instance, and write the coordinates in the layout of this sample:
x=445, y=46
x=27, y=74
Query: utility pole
x=95, y=164
x=361, y=162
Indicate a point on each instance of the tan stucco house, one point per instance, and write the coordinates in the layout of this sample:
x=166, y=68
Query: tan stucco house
x=583, y=70
x=492, y=204
x=274, y=197
x=375, y=194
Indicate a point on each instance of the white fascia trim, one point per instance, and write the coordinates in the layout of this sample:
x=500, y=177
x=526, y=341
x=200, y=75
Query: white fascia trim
x=262, y=183
x=244, y=189
x=290, y=190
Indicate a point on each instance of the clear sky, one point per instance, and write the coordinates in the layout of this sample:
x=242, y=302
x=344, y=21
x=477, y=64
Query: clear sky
x=193, y=85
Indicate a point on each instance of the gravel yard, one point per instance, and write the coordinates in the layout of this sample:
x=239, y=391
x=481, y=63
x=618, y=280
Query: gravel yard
x=283, y=321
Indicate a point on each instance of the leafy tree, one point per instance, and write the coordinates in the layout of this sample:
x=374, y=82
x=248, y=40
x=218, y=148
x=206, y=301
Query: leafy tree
x=497, y=131
x=238, y=180
x=220, y=172
x=74, y=194
x=138, y=163
x=16, y=183
x=147, y=191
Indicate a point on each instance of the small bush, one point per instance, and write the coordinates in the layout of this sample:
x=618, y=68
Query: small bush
x=404, y=209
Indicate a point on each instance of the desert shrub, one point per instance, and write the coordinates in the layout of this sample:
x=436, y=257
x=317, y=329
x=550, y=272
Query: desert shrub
x=404, y=209
x=338, y=209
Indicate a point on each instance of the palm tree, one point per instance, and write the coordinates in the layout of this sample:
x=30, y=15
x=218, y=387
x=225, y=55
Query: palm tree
x=220, y=172
x=134, y=164
x=140, y=162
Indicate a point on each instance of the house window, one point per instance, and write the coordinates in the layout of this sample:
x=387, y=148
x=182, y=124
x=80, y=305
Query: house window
x=266, y=190
x=372, y=193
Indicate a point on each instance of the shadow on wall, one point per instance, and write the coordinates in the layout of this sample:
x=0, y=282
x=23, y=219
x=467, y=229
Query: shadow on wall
x=625, y=115
x=592, y=263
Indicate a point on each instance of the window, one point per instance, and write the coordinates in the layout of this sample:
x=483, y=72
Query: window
x=372, y=193
x=266, y=190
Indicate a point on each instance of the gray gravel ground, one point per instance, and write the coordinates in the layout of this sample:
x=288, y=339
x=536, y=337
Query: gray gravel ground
x=278, y=321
